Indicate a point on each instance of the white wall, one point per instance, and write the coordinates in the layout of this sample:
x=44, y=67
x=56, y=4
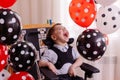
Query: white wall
x=37, y=11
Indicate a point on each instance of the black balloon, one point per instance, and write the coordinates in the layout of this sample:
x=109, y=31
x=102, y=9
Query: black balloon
x=91, y=44
x=10, y=27
x=22, y=56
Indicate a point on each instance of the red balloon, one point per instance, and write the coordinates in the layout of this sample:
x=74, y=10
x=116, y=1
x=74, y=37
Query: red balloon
x=82, y=12
x=7, y=3
x=21, y=76
x=91, y=1
x=3, y=56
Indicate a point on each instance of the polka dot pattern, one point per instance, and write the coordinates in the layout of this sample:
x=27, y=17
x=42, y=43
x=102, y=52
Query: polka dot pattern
x=9, y=27
x=3, y=56
x=4, y=12
x=2, y=21
x=22, y=55
x=10, y=30
x=4, y=75
x=2, y=62
x=108, y=19
x=82, y=12
x=92, y=46
x=22, y=75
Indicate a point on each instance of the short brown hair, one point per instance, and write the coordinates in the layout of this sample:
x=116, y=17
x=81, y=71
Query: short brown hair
x=51, y=30
x=49, y=42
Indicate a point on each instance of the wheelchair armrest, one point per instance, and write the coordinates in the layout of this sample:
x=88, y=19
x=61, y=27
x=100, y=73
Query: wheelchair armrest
x=89, y=69
x=48, y=74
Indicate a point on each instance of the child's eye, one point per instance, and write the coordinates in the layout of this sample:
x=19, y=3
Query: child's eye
x=60, y=29
x=65, y=28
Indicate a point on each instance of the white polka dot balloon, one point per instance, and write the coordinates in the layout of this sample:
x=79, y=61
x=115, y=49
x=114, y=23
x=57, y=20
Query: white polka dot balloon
x=105, y=2
x=22, y=75
x=22, y=56
x=91, y=44
x=4, y=75
x=108, y=19
x=10, y=26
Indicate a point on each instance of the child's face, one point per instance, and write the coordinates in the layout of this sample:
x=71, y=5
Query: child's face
x=60, y=34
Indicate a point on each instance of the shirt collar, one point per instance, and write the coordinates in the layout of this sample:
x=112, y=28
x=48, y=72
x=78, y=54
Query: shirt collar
x=62, y=48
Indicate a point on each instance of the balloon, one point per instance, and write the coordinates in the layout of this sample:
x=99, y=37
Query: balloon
x=105, y=2
x=7, y=3
x=19, y=18
x=91, y=44
x=90, y=1
x=4, y=75
x=82, y=12
x=22, y=56
x=22, y=75
x=106, y=38
x=108, y=19
x=10, y=27
x=3, y=56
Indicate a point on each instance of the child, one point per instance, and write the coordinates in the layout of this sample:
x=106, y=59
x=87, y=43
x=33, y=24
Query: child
x=61, y=58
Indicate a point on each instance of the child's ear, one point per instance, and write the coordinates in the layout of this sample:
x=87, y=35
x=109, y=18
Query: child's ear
x=53, y=37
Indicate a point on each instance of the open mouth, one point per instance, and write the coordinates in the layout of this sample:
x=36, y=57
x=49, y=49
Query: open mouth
x=66, y=34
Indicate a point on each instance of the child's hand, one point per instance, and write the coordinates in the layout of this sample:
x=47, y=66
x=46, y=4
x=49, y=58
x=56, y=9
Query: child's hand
x=52, y=67
x=71, y=71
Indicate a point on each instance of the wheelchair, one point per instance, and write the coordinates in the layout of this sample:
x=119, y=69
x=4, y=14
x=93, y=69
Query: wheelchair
x=31, y=35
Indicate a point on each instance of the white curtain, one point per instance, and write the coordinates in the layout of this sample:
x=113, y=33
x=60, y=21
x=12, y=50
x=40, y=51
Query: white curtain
x=38, y=11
